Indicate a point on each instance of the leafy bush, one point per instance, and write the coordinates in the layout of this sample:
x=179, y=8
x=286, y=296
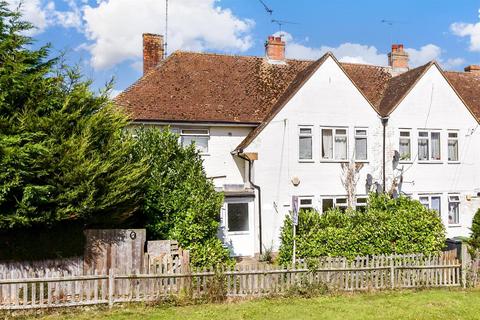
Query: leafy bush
x=388, y=226
x=474, y=240
x=180, y=202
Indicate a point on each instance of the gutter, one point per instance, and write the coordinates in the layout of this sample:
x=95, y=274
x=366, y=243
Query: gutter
x=239, y=153
x=384, y=161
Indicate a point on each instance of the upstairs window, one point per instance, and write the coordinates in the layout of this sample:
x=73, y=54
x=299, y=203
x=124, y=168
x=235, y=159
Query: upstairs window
x=199, y=137
x=405, y=146
x=453, y=209
x=360, y=144
x=453, y=146
x=334, y=144
x=305, y=143
x=429, y=145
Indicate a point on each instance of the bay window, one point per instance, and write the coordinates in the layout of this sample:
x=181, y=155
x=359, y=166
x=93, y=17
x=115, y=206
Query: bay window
x=334, y=144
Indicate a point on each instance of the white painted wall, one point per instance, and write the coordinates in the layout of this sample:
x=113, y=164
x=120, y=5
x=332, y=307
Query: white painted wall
x=328, y=99
x=432, y=104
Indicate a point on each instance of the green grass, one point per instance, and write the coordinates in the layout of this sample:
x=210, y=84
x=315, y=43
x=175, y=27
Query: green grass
x=428, y=304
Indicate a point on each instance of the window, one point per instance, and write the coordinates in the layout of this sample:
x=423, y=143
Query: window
x=305, y=203
x=334, y=202
x=238, y=217
x=327, y=204
x=432, y=202
x=429, y=145
x=199, y=137
x=361, y=204
x=453, y=209
x=305, y=139
x=453, y=146
x=405, y=146
x=360, y=144
x=334, y=144
x=341, y=203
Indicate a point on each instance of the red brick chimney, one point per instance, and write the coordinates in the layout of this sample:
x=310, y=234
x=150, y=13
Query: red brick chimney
x=153, y=51
x=473, y=68
x=275, y=48
x=398, y=59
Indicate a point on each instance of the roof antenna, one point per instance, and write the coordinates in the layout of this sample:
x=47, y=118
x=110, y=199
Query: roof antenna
x=166, y=30
x=269, y=11
x=391, y=23
x=281, y=23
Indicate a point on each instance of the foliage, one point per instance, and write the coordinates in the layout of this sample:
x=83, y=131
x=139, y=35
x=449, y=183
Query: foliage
x=63, y=155
x=180, y=202
x=267, y=254
x=474, y=240
x=388, y=226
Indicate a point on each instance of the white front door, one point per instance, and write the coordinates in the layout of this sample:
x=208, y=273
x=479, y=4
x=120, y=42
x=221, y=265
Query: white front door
x=238, y=226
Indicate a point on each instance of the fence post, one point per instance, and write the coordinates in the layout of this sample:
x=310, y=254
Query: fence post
x=465, y=259
x=392, y=272
x=111, y=288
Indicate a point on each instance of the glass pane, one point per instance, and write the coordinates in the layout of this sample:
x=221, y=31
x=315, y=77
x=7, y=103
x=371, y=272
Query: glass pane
x=341, y=131
x=404, y=134
x=305, y=201
x=305, y=131
x=361, y=148
x=327, y=204
x=436, y=204
x=423, y=134
x=452, y=150
x=425, y=202
x=405, y=153
x=340, y=147
x=422, y=149
x=305, y=147
x=238, y=217
x=453, y=213
x=452, y=135
x=201, y=142
x=361, y=132
x=327, y=144
x=195, y=131
x=435, y=145
x=341, y=201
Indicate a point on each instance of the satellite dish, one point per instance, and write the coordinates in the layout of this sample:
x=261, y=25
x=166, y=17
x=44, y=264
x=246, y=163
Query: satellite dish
x=396, y=159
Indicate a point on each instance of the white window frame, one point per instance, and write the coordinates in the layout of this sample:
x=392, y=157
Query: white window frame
x=429, y=144
x=311, y=135
x=306, y=206
x=457, y=139
x=361, y=204
x=335, y=199
x=242, y=200
x=454, y=198
x=357, y=136
x=429, y=197
x=200, y=132
x=410, y=140
x=334, y=134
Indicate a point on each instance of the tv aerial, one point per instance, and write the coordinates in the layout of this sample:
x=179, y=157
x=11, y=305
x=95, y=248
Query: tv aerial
x=281, y=23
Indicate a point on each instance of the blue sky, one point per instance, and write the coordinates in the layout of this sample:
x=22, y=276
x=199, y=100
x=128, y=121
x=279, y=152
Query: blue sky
x=104, y=36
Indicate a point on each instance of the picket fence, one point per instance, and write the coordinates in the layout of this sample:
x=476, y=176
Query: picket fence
x=107, y=287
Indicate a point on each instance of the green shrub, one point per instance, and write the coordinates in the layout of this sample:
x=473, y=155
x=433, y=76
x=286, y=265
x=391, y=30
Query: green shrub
x=388, y=226
x=180, y=202
x=474, y=240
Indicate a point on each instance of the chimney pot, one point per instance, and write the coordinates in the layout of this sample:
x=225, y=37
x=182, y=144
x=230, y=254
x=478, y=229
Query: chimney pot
x=275, y=49
x=153, y=51
x=473, y=68
x=398, y=59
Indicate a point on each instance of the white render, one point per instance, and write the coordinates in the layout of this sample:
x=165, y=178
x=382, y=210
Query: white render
x=330, y=99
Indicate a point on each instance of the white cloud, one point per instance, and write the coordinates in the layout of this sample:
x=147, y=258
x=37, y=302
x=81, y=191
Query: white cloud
x=359, y=53
x=471, y=30
x=114, y=28
x=43, y=14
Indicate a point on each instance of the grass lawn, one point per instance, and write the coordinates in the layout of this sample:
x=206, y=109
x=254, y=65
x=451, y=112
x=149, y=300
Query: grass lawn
x=428, y=304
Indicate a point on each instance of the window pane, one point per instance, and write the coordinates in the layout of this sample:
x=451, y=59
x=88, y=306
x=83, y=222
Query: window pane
x=341, y=131
x=404, y=149
x=195, y=131
x=201, y=142
x=238, y=217
x=305, y=131
x=435, y=145
x=340, y=147
x=305, y=202
x=425, y=202
x=436, y=204
x=453, y=213
x=422, y=149
x=452, y=135
x=452, y=150
x=327, y=204
x=305, y=148
x=361, y=132
x=404, y=134
x=361, y=148
x=423, y=134
x=327, y=144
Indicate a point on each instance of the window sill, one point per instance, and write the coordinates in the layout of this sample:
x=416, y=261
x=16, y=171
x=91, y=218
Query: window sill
x=405, y=162
x=306, y=160
x=430, y=161
x=454, y=225
x=453, y=162
x=204, y=154
x=362, y=161
x=333, y=161
x=238, y=233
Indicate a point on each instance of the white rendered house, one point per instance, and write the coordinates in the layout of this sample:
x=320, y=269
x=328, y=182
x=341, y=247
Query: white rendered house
x=270, y=128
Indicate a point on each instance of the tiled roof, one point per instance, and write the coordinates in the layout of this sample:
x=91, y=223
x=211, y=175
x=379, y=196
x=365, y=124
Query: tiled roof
x=209, y=87
x=467, y=85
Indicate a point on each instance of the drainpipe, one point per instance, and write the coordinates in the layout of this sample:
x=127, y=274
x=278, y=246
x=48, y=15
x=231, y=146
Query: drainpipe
x=250, y=163
x=384, y=124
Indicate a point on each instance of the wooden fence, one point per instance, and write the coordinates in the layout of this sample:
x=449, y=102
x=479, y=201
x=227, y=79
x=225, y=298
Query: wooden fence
x=365, y=273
